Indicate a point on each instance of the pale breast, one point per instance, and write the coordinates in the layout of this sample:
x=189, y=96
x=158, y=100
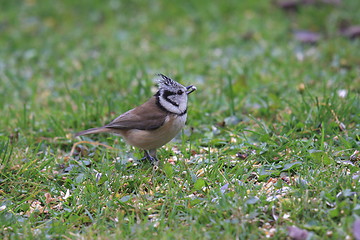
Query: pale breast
x=156, y=138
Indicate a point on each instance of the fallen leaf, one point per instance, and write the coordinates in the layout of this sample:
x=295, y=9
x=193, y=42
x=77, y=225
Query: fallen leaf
x=290, y=5
x=297, y=233
x=307, y=37
x=351, y=32
x=356, y=229
x=224, y=188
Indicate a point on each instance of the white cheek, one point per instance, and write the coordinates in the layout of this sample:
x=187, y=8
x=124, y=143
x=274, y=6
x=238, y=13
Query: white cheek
x=169, y=107
x=183, y=104
x=179, y=100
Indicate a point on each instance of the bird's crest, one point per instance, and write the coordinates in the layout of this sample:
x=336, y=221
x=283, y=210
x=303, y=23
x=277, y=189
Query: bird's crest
x=164, y=80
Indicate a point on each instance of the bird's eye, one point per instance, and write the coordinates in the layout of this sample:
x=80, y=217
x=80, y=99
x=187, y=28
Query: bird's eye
x=180, y=92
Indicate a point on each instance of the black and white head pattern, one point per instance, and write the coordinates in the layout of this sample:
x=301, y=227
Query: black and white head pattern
x=172, y=95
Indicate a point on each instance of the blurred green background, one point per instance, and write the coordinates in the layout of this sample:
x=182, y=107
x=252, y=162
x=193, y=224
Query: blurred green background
x=57, y=56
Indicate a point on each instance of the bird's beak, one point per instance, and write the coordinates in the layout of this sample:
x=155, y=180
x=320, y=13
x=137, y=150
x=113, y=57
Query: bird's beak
x=190, y=89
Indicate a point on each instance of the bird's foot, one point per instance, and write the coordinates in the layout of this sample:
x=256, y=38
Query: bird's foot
x=153, y=160
x=143, y=159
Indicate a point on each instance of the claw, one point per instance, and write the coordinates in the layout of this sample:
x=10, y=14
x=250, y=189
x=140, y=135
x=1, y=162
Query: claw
x=153, y=160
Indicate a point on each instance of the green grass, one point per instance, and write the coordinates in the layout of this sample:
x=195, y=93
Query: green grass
x=264, y=147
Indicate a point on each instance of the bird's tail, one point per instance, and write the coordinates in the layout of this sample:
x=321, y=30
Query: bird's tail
x=92, y=130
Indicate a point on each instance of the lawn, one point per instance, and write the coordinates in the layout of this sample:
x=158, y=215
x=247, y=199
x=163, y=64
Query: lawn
x=272, y=137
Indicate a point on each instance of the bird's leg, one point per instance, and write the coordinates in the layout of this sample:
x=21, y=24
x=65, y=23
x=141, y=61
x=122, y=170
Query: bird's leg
x=145, y=156
x=151, y=156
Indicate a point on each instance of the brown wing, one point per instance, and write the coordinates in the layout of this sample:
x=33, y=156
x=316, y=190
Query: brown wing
x=147, y=116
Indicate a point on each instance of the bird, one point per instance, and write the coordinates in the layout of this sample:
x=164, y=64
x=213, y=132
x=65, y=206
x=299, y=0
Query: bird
x=154, y=123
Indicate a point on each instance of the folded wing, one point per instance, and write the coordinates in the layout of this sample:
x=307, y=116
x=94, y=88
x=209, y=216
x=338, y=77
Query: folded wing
x=147, y=116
